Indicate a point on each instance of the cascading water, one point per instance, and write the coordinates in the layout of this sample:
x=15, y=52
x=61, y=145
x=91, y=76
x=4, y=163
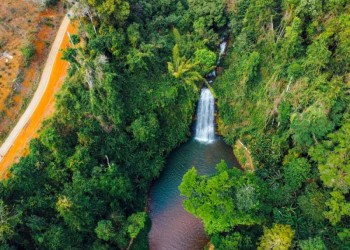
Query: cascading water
x=172, y=227
x=222, y=48
x=205, y=128
x=222, y=51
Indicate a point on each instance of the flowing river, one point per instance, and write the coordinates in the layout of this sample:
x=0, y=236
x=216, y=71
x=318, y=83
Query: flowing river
x=172, y=227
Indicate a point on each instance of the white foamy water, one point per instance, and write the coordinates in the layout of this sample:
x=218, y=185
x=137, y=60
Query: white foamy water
x=222, y=50
x=205, y=128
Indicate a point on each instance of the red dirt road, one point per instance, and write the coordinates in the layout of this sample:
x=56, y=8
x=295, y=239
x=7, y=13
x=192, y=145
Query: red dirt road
x=42, y=111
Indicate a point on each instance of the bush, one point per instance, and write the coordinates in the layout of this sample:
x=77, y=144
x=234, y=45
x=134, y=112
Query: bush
x=50, y=2
x=28, y=52
x=206, y=59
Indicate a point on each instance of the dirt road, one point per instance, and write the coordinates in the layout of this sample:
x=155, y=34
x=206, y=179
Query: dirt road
x=41, y=104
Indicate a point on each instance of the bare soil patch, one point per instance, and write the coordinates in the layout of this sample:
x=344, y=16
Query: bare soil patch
x=22, y=22
x=44, y=110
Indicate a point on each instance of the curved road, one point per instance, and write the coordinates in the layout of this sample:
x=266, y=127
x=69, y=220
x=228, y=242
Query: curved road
x=41, y=103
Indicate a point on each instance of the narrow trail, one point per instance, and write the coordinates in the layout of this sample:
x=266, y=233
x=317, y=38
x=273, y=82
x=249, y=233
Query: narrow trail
x=41, y=105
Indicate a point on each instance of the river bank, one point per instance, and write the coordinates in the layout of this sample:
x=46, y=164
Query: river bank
x=173, y=227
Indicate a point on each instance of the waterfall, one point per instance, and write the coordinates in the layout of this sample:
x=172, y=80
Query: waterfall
x=222, y=48
x=222, y=51
x=205, y=129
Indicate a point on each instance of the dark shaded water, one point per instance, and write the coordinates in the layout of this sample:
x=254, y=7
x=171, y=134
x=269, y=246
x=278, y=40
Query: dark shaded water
x=172, y=227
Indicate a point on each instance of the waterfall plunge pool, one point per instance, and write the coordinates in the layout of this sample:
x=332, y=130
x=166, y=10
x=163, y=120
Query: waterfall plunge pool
x=172, y=227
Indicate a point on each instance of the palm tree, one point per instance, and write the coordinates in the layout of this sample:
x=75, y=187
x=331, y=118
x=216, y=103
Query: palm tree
x=182, y=68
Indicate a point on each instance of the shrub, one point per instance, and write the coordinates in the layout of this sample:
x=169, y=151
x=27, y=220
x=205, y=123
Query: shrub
x=28, y=52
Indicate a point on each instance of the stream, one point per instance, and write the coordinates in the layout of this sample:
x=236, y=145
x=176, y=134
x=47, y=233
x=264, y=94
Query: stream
x=172, y=227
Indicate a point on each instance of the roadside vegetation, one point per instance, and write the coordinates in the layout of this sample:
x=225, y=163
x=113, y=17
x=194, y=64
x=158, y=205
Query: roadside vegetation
x=121, y=110
x=26, y=33
x=28, y=52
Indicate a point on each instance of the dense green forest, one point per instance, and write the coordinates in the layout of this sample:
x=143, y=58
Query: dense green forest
x=128, y=100
x=135, y=70
x=285, y=94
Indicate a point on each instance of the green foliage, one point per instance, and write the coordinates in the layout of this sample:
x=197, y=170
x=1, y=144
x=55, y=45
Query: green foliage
x=206, y=59
x=295, y=70
x=133, y=34
x=284, y=93
x=318, y=56
x=141, y=241
x=182, y=68
x=49, y=3
x=332, y=158
x=312, y=204
x=224, y=200
x=292, y=46
x=312, y=8
x=210, y=13
x=312, y=243
x=8, y=222
x=75, y=39
x=310, y=126
x=104, y=230
x=70, y=55
x=115, y=9
x=85, y=182
x=338, y=207
x=28, y=51
x=231, y=241
x=145, y=128
x=128, y=101
x=284, y=112
x=296, y=173
x=250, y=67
x=136, y=223
x=137, y=58
x=278, y=237
x=344, y=235
x=262, y=12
